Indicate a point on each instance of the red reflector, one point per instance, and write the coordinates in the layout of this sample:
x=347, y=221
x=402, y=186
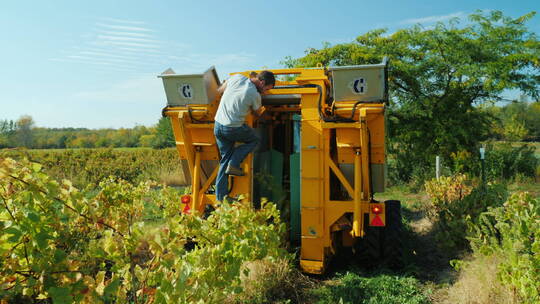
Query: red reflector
x=376, y=209
x=377, y=221
x=186, y=199
x=186, y=209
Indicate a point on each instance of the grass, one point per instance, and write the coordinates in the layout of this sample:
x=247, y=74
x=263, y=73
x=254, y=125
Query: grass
x=364, y=288
x=273, y=282
x=530, y=186
x=410, y=200
x=536, y=146
x=477, y=283
x=169, y=178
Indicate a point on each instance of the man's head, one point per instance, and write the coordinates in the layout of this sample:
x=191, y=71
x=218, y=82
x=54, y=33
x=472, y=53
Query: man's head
x=264, y=81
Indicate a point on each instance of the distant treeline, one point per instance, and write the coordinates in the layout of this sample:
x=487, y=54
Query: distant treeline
x=516, y=121
x=23, y=133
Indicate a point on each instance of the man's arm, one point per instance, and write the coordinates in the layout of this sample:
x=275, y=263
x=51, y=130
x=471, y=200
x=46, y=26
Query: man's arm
x=258, y=113
x=221, y=89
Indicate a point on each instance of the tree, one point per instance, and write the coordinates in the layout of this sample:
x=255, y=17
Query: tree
x=164, y=136
x=515, y=129
x=533, y=120
x=518, y=120
x=146, y=140
x=8, y=129
x=437, y=77
x=25, y=137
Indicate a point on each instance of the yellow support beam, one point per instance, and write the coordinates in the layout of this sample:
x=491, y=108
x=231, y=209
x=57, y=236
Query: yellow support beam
x=196, y=182
x=340, y=176
x=208, y=182
x=188, y=145
x=358, y=216
x=364, y=146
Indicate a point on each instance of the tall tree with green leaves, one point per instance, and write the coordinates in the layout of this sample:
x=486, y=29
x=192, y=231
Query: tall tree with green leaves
x=25, y=136
x=7, y=132
x=164, y=134
x=520, y=120
x=437, y=77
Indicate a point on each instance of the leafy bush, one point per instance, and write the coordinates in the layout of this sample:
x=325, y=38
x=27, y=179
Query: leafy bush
x=411, y=172
x=61, y=244
x=503, y=162
x=506, y=161
x=382, y=289
x=455, y=203
x=513, y=231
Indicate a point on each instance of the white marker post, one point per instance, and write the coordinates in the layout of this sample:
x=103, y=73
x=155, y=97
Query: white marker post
x=482, y=157
x=437, y=166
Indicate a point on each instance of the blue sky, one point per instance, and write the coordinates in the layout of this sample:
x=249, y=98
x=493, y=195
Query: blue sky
x=94, y=63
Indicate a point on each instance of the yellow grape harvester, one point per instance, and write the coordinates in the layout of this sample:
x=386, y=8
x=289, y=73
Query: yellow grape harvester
x=321, y=157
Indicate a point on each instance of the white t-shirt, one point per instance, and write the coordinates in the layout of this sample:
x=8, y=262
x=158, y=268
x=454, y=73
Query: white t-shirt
x=240, y=95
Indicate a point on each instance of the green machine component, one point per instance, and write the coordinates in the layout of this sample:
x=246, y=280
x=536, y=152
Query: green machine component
x=271, y=175
x=295, y=180
x=268, y=169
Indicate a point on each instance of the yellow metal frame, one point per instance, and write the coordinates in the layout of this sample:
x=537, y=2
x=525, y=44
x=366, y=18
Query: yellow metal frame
x=360, y=143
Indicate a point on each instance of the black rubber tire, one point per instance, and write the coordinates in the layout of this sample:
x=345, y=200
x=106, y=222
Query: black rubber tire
x=368, y=250
x=372, y=241
x=393, y=235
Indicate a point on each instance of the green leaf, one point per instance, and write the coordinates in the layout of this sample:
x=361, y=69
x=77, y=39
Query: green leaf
x=59, y=256
x=110, y=289
x=36, y=167
x=41, y=239
x=60, y=295
x=15, y=232
x=33, y=216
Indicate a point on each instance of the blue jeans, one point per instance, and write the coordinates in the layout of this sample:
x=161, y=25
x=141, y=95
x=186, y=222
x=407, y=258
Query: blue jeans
x=230, y=155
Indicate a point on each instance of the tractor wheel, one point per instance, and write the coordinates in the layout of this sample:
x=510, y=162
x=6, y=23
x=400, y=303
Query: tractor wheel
x=368, y=249
x=392, y=236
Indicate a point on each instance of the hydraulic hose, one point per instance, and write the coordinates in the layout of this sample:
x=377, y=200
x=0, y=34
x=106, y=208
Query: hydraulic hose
x=194, y=120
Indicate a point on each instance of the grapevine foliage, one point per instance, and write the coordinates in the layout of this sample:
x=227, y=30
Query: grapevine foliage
x=456, y=204
x=96, y=246
x=513, y=231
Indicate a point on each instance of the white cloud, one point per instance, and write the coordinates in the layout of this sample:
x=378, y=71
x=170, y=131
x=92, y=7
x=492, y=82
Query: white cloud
x=104, y=53
x=137, y=49
x=90, y=63
x=104, y=60
x=116, y=20
x=123, y=27
x=433, y=19
x=122, y=43
x=138, y=90
x=132, y=34
x=121, y=38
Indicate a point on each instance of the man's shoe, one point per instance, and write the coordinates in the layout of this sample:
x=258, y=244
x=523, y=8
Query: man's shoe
x=230, y=200
x=232, y=170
